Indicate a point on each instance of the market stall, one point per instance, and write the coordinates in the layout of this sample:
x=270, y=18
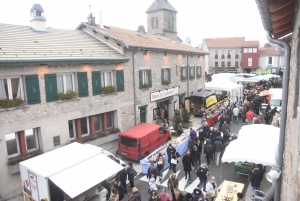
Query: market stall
x=198, y=102
x=180, y=143
x=223, y=84
x=212, y=114
x=229, y=191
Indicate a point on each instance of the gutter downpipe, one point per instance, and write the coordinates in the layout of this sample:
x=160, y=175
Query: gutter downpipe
x=283, y=116
x=134, y=85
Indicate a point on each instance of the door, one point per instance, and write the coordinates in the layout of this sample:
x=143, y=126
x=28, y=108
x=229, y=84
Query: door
x=187, y=104
x=143, y=115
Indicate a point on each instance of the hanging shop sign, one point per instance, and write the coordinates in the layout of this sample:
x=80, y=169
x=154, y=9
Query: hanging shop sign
x=154, y=96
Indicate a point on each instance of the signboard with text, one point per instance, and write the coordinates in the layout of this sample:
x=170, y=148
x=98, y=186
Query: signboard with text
x=154, y=96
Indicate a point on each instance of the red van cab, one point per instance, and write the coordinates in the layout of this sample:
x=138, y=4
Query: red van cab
x=137, y=142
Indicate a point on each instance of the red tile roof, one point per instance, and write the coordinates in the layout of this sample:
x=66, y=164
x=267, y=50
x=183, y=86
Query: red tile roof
x=224, y=42
x=268, y=51
x=254, y=43
x=134, y=38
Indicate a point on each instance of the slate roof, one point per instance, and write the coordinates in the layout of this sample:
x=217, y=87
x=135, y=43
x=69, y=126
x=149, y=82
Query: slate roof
x=268, y=51
x=21, y=44
x=37, y=7
x=235, y=42
x=254, y=43
x=135, y=39
x=161, y=5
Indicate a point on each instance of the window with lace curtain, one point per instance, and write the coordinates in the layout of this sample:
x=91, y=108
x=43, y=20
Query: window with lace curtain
x=11, y=88
x=65, y=83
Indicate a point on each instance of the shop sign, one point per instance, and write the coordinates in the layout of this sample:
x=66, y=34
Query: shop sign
x=211, y=100
x=154, y=96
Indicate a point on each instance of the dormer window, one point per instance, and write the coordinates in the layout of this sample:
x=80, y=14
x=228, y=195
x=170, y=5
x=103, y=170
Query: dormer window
x=38, y=13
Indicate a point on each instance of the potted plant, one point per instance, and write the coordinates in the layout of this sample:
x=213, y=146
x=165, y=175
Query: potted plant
x=198, y=76
x=177, y=119
x=183, y=78
x=192, y=77
x=68, y=95
x=187, y=123
x=145, y=86
x=6, y=103
x=167, y=82
x=109, y=89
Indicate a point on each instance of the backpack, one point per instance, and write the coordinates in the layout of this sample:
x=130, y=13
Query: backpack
x=209, y=149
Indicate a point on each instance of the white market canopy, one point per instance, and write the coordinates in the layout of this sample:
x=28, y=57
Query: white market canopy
x=257, y=143
x=229, y=76
x=74, y=168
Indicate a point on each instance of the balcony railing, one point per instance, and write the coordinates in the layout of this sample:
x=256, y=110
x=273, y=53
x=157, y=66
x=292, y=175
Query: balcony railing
x=236, y=56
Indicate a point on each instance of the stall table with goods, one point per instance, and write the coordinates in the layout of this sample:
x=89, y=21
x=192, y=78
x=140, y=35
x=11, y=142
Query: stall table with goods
x=180, y=143
x=243, y=168
x=212, y=114
x=229, y=191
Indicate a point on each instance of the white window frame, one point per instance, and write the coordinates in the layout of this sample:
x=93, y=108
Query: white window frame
x=193, y=70
x=104, y=81
x=35, y=132
x=112, y=119
x=216, y=52
x=166, y=74
x=18, y=146
x=229, y=52
x=245, y=50
x=249, y=50
x=101, y=126
x=88, y=127
x=249, y=61
x=255, y=50
x=236, y=52
x=74, y=129
x=268, y=64
x=65, y=83
x=145, y=76
x=9, y=88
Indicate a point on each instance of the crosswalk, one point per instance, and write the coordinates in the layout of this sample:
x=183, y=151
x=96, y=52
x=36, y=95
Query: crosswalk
x=183, y=185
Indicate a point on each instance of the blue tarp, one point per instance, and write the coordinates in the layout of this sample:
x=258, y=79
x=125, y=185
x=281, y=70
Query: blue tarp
x=180, y=148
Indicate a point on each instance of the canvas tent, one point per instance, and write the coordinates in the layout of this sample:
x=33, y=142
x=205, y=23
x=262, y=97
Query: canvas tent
x=223, y=84
x=229, y=76
x=257, y=143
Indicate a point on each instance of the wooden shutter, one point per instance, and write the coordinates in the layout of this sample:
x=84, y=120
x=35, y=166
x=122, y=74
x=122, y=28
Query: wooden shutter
x=149, y=78
x=120, y=80
x=32, y=89
x=169, y=75
x=197, y=72
x=181, y=73
x=162, y=76
x=141, y=78
x=96, y=83
x=83, y=89
x=51, y=87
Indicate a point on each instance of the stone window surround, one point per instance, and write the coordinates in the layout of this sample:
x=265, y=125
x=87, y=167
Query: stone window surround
x=145, y=76
x=10, y=95
x=104, y=78
x=65, y=81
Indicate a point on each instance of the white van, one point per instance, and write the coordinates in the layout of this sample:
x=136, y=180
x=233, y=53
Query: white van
x=276, y=100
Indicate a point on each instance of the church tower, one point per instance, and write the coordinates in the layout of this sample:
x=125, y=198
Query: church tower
x=161, y=19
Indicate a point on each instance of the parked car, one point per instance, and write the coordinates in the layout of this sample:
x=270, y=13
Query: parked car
x=138, y=142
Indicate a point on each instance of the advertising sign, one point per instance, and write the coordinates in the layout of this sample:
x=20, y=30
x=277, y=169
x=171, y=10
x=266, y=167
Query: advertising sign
x=211, y=100
x=154, y=96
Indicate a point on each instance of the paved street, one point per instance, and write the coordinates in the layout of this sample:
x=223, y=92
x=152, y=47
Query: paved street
x=221, y=172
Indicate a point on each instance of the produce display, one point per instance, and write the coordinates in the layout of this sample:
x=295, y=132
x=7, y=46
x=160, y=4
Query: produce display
x=231, y=191
x=216, y=109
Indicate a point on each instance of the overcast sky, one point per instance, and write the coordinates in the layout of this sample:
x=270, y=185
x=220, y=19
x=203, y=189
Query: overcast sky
x=197, y=19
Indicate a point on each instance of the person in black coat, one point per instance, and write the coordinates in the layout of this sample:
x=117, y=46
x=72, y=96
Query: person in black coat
x=255, y=179
x=267, y=118
x=170, y=152
x=152, y=171
x=131, y=173
x=119, y=186
x=221, y=121
x=187, y=162
x=122, y=176
x=195, y=155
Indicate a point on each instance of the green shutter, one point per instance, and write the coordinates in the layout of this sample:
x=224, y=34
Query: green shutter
x=141, y=78
x=181, y=73
x=32, y=89
x=96, y=83
x=200, y=71
x=51, y=87
x=149, y=78
x=120, y=80
x=169, y=75
x=187, y=73
x=197, y=72
x=162, y=76
x=83, y=89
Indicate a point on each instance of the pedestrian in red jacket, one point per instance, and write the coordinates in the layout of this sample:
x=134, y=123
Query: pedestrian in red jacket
x=249, y=117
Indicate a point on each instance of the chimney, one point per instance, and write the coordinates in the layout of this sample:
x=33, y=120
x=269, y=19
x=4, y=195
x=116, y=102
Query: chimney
x=141, y=29
x=91, y=20
x=37, y=18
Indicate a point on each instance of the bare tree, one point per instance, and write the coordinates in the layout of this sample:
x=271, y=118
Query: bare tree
x=188, y=40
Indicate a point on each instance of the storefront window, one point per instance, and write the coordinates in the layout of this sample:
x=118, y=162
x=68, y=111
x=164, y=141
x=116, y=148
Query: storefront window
x=31, y=139
x=72, y=129
x=110, y=120
x=12, y=144
x=98, y=122
x=84, y=125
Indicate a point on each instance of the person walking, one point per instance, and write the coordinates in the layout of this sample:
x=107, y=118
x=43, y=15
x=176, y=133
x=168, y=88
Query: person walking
x=240, y=197
x=136, y=194
x=208, y=150
x=122, y=177
x=131, y=174
x=193, y=134
x=197, y=194
x=218, y=147
x=114, y=195
x=195, y=156
x=170, y=152
x=177, y=196
x=153, y=196
x=243, y=115
x=173, y=183
x=221, y=121
x=255, y=179
x=121, y=190
x=152, y=184
x=164, y=196
x=224, y=128
x=199, y=148
x=160, y=166
x=179, y=129
x=236, y=112
x=152, y=171
x=188, y=163
x=102, y=193
x=202, y=174
x=211, y=187
x=267, y=117
x=174, y=160
x=249, y=117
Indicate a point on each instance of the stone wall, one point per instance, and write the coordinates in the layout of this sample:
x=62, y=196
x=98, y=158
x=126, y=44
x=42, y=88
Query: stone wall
x=291, y=170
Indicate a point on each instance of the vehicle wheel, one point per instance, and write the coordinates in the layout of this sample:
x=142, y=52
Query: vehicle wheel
x=146, y=154
x=168, y=139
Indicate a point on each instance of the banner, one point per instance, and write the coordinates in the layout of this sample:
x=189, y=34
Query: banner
x=211, y=100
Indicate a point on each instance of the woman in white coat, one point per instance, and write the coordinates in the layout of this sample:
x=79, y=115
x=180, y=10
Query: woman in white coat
x=102, y=193
x=211, y=187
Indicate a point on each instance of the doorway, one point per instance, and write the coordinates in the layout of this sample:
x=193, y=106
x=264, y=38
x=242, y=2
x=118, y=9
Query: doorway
x=143, y=115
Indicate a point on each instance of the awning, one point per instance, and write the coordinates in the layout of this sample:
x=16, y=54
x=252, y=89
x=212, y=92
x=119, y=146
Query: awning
x=83, y=176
